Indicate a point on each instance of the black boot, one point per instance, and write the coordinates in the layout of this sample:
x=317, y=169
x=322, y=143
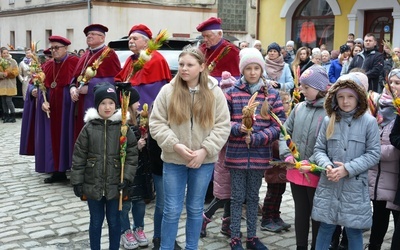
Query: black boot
x=156, y=243
x=11, y=118
x=373, y=247
x=5, y=118
x=56, y=177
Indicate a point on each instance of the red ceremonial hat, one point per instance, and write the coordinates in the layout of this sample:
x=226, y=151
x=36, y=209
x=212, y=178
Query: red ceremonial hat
x=142, y=29
x=60, y=39
x=95, y=27
x=213, y=23
x=47, y=52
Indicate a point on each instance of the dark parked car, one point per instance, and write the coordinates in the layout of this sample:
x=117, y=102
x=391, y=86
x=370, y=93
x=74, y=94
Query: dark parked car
x=170, y=50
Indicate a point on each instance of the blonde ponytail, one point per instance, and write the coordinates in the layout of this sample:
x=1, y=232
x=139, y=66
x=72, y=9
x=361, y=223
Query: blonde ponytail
x=331, y=126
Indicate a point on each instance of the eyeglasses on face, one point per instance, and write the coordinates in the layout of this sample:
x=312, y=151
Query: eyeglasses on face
x=56, y=47
x=94, y=34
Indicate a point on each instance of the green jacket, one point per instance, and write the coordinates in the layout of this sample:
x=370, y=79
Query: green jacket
x=96, y=162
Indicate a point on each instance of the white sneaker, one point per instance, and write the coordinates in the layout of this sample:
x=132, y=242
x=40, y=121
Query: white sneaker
x=128, y=240
x=140, y=237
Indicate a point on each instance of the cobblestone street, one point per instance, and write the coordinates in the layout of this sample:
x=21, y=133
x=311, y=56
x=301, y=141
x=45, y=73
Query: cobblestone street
x=34, y=215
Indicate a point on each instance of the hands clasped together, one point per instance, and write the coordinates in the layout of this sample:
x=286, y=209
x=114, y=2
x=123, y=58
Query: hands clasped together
x=195, y=158
x=336, y=173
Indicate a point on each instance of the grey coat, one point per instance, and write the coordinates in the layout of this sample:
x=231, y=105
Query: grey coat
x=347, y=202
x=356, y=143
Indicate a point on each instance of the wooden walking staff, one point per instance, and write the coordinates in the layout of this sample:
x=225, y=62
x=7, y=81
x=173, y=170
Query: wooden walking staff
x=125, y=96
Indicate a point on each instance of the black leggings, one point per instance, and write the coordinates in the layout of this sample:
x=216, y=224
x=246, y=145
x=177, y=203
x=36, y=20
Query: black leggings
x=7, y=105
x=303, y=202
x=380, y=222
x=215, y=205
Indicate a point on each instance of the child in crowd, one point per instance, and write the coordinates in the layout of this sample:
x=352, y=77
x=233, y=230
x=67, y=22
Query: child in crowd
x=135, y=237
x=383, y=178
x=96, y=165
x=249, y=150
x=276, y=180
x=303, y=126
x=347, y=146
x=190, y=122
x=221, y=180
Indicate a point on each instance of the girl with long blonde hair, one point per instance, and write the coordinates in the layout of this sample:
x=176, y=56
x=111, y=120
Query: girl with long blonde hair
x=190, y=122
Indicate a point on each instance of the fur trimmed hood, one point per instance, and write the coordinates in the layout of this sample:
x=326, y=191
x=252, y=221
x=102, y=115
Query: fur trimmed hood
x=331, y=103
x=92, y=114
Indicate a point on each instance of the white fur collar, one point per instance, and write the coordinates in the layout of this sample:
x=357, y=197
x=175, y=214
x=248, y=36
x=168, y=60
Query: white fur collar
x=92, y=114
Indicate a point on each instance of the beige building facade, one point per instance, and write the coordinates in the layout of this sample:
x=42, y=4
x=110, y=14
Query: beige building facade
x=26, y=21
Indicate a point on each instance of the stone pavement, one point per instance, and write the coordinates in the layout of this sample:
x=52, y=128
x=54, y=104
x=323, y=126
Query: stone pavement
x=37, y=216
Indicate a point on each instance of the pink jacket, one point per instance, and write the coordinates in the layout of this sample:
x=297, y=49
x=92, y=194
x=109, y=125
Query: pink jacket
x=296, y=177
x=222, y=177
x=383, y=178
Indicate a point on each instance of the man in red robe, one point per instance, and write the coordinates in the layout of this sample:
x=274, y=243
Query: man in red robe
x=53, y=150
x=81, y=88
x=155, y=73
x=213, y=46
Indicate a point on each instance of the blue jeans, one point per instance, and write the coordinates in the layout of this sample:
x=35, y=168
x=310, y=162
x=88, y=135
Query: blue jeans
x=325, y=233
x=158, y=211
x=176, y=178
x=138, y=211
x=97, y=210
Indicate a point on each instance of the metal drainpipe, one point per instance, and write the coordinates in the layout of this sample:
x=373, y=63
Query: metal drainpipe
x=258, y=20
x=89, y=12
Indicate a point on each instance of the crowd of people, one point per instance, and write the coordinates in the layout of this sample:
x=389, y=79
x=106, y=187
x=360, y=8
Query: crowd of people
x=324, y=121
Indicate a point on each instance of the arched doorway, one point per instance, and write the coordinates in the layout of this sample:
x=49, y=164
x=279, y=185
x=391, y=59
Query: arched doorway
x=379, y=23
x=313, y=24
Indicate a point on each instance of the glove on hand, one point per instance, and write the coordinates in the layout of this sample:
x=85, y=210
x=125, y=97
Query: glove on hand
x=123, y=185
x=78, y=190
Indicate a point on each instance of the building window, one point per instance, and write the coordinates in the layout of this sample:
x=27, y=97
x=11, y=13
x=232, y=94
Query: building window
x=28, y=39
x=313, y=24
x=12, y=39
x=48, y=34
x=11, y=2
x=233, y=14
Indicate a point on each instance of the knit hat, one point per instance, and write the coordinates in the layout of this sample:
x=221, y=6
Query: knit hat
x=347, y=90
x=134, y=97
x=274, y=46
x=256, y=42
x=290, y=43
x=359, y=40
x=358, y=77
x=227, y=80
x=248, y=56
x=315, y=77
x=103, y=91
x=344, y=48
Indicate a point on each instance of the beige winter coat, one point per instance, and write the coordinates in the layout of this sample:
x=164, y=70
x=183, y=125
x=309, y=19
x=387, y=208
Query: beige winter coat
x=8, y=84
